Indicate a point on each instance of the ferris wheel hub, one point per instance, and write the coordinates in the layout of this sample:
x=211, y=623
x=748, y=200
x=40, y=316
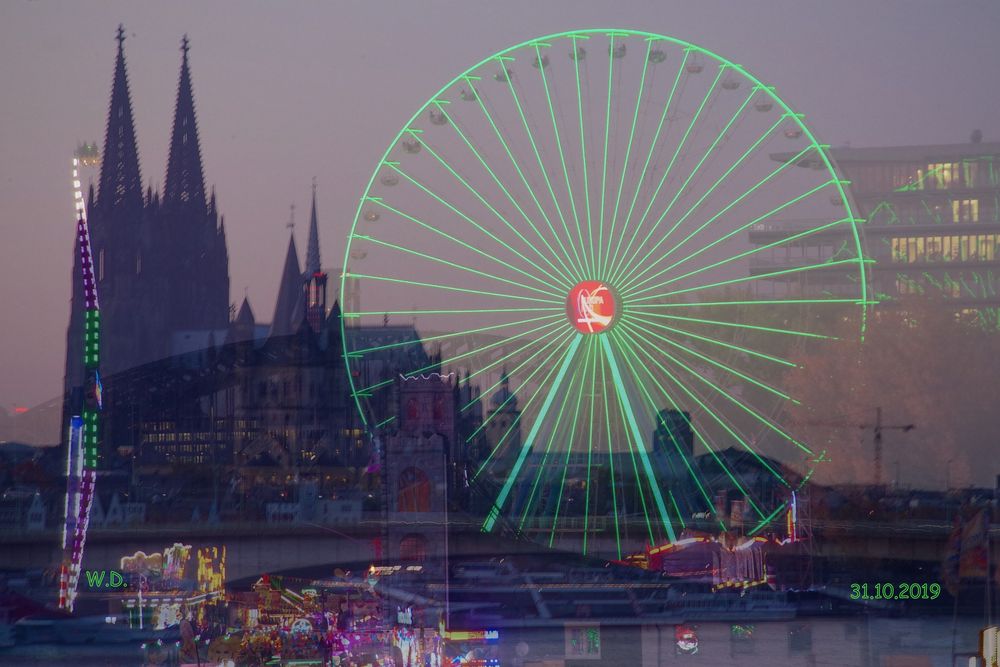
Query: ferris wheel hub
x=592, y=306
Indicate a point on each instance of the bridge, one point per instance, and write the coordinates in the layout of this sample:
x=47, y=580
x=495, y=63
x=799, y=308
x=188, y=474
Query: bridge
x=253, y=548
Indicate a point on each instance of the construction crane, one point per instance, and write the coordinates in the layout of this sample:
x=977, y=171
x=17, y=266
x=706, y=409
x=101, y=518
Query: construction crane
x=877, y=428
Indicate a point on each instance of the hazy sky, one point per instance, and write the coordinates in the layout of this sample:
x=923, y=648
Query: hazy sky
x=288, y=91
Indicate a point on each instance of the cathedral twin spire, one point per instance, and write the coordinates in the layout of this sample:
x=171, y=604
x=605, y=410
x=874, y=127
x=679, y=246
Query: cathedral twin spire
x=121, y=179
x=162, y=262
x=184, y=195
x=185, y=185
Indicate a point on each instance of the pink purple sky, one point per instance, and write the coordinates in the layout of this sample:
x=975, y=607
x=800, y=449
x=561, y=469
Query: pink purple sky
x=286, y=92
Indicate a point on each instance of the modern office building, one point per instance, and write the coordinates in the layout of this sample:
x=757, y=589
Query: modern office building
x=931, y=223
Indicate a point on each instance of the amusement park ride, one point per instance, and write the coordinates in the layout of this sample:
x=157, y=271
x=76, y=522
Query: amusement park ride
x=581, y=203
x=81, y=457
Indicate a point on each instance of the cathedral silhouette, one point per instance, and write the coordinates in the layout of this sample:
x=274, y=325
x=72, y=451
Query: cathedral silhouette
x=161, y=262
x=203, y=403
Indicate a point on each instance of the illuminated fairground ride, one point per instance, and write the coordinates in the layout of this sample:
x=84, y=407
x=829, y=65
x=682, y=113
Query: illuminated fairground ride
x=566, y=225
x=81, y=453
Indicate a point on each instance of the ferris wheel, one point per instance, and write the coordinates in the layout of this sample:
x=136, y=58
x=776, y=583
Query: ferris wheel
x=602, y=234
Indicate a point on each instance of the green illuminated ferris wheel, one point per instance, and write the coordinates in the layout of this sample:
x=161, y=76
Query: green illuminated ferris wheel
x=601, y=235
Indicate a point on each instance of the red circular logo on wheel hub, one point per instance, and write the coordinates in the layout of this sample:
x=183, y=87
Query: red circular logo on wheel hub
x=591, y=307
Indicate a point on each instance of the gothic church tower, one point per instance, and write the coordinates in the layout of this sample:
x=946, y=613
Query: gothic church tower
x=161, y=265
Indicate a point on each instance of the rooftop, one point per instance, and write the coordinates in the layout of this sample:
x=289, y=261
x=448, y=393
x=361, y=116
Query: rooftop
x=920, y=153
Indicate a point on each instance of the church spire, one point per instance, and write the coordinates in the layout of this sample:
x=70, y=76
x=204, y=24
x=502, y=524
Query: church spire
x=290, y=295
x=242, y=327
x=312, y=249
x=121, y=181
x=185, y=184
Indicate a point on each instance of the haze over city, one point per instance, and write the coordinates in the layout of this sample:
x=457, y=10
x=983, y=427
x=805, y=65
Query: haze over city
x=564, y=333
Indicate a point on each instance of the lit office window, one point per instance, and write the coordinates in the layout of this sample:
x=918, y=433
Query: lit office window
x=965, y=210
x=970, y=173
x=945, y=174
x=957, y=248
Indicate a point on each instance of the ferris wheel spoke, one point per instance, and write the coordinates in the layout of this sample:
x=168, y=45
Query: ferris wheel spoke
x=510, y=429
x=716, y=416
x=638, y=344
x=512, y=354
x=453, y=265
x=716, y=341
x=649, y=156
x=640, y=368
x=545, y=177
x=549, y=341
x=740, y=325
x=725, y=424
x=582, y=255
x=611, y=460
x=637, y=275
x=723, y=133
x=711, y=360
x=740, y=404
x=454, y=334
x=533, y=433
x=604, y=168
x=527, y=184
x=458, y=241
x=638, y=269
x=747, y=253
x=756, y=277
x=475, y=224
x=448, y=288
x=583, y=151
x=628, y=151
x=757, y=302
x=633, y=425
x=513, y=200
x=365, y=392
x=673, y=159
x=766, y=521
x=621, y=271
x=556, y=346
x=456, y=311
x=629, y=442
x=587, y=366
x=525, y=513
x=492, y=209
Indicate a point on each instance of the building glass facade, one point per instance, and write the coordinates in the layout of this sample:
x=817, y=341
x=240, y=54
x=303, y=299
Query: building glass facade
x=930, y=221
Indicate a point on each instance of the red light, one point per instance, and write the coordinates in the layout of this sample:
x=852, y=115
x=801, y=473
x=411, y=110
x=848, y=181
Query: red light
x=591, y=307
x=20, y=410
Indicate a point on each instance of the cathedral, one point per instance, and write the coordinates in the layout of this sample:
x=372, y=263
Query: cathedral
x=186, y=381
x=209, y=410
x=160, y=258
